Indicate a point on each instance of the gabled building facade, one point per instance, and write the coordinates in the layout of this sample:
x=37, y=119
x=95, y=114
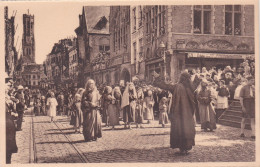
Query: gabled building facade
x=92, y=42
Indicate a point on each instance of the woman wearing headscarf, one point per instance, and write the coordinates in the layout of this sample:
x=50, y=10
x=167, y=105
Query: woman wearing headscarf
x=76, y=108
x=106, y=100
x=114, y=107
x=222, y=99
x=90, y=106
x=128, y=104
x=139, y=115
x=207, y=114
x=52, y=104
x=148, y=106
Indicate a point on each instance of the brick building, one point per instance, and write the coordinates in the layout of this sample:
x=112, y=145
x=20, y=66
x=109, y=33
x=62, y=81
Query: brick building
x=120, y=67
x=197, y=36
x=93, y=44
x=137, y=40
x=60, y=64
x=10, y=50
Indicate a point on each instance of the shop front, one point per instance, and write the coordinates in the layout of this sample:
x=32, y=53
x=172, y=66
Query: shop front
x=218, y=60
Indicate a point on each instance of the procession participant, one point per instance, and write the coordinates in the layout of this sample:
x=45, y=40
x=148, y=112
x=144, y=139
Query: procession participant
x=105, y=101
x=52, y=104
x=37, y=103
x=247, y=101
x=43, y=105
x=20, y=107
x=222, y=99
x=128, y=104
x=76, y=108
x=139, y=114
x=70, y=102
x=60, y=100
x=182, y=125
x=148, y=107
x=114, y=107
x=90, y=105
x=207, y=114
x=27, y=97
x=163, y=109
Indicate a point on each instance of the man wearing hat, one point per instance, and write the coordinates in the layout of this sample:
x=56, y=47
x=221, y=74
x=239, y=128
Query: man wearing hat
x=20, y=106
x=247, y=101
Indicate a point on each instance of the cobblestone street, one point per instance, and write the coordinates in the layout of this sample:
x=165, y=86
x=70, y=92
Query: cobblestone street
x=57, y=143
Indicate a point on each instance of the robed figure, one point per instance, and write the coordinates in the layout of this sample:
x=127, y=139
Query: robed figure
x=90, y=106
x=182, y=109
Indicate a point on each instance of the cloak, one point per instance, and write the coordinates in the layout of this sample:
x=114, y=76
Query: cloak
x=182, y=133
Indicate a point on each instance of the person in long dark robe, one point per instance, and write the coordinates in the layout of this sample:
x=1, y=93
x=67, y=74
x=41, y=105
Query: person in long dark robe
x=90, y=106
x=182, y=133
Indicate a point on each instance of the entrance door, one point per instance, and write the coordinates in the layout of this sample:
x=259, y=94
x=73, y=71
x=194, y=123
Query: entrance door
x=125, y=75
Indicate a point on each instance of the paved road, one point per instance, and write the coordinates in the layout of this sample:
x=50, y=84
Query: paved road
x=57, y=142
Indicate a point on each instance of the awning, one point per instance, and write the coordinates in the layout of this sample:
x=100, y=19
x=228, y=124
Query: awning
x=220, y=55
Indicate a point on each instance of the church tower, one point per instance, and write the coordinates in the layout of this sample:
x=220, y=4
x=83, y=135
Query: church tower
x=28, y=43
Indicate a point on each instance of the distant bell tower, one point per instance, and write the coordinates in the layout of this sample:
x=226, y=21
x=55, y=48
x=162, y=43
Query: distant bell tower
x=28, y=42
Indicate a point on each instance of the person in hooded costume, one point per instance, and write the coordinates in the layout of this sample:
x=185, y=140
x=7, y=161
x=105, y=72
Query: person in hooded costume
x=90, y=105
x=182, y=134
x=114, y=107
x=105, y=101
x=129, y=104
x=206, y=110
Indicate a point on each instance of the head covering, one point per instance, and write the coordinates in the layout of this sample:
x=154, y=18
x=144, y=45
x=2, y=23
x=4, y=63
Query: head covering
x=125, y=97
x=116, y=89
x=222, y=81
x=88, y=83
x=20, y=87
x=80, y=91
x=108, y=90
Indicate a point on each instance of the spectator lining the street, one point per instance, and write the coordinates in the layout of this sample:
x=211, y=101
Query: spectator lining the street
x=222, y=99
x=207, y=114
x=20, y=106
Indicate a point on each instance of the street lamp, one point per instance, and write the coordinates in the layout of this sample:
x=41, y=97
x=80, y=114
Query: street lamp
x=162, y=50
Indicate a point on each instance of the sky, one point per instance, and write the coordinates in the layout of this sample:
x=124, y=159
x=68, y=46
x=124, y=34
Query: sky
x=52, y=22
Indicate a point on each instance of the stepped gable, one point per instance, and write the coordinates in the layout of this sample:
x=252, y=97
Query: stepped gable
x=96, y=18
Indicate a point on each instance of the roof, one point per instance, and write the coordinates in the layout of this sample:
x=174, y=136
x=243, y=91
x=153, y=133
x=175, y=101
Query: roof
x=96, y=18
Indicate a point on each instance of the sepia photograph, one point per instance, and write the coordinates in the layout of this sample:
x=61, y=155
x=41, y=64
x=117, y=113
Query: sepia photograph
x=131, y=83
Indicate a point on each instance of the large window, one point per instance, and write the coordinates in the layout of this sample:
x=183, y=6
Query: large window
x=140, y=16
x=202, y=19
x=103, y=48
x=233, y=19
x=134, y=46
x=134, y=20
